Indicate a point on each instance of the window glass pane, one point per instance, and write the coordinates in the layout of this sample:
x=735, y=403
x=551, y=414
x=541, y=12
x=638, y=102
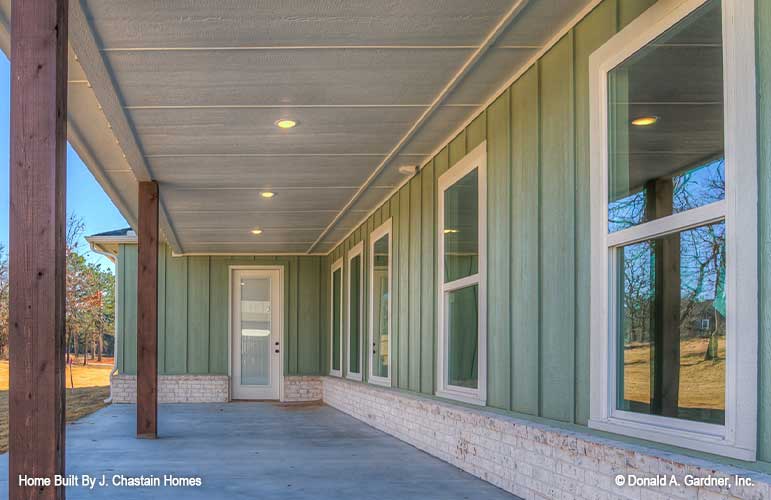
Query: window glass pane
x=380, y=298
x=665, y=116
x=256, y=329
x=462, y=337
x=336, y=325
x=354, y=316
x=461, y=231
x=672, y=325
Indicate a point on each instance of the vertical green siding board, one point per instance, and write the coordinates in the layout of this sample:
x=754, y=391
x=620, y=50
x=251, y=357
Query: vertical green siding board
x=498, y=251
x=219, y=296
x=628, y=10
x=590, y=34
x=176, y=315
x=326, y=262
x=557, y=264
x=308, y=311
x=393, y=210
x=427, y=282
x=403, y=359
x=120, y=313
x=130, y=315
x=161, y=321
x=415, y=265
x=476, y=132
x=457, y=148
x=198, y=315
x=294, y=294
x=525, y=300
x=763, y=44
x=441, y=162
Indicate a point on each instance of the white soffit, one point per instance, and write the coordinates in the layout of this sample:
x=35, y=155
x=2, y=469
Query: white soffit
x=190, y=92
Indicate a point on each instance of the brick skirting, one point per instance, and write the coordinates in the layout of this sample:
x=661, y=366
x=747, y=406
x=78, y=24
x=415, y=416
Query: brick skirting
x=302, y=388
x=529, y=459
x=175, y=388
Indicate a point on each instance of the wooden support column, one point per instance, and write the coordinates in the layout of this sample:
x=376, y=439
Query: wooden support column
x=147, y=312
x=38, y=172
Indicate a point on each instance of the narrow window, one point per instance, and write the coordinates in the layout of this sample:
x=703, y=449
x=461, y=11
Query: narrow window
x=355, y=293
x=336, y=327
x=462, y=346
x=380, y=305
x=665, y=171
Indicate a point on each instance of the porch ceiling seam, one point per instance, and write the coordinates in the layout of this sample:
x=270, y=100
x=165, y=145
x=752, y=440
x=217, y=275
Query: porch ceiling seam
x=472, y=60
x=92, y=62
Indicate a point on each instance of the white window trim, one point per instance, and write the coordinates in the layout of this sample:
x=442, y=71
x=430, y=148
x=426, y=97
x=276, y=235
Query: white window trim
x=475, y=159
x=738, y=437
x=357, y=250
x=336, y=266
x=379, y=232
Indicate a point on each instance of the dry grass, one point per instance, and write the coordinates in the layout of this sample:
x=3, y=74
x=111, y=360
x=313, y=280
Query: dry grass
x=92, y=387
x=702, y=383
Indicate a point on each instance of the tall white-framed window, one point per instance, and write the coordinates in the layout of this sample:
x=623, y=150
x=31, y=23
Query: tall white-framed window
x=674, y=232
x=336, y=318
x=461, y=303
x=355, y=313
x=380, y=345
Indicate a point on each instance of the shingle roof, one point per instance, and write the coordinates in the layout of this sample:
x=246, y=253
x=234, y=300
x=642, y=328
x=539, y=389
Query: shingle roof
x=115, y=232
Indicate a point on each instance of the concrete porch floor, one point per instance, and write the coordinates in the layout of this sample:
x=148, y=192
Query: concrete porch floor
x=258, y=450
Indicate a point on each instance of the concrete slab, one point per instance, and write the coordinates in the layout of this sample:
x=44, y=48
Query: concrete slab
x=257, y=450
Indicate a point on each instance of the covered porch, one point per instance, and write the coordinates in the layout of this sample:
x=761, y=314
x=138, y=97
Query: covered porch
x=265, y=450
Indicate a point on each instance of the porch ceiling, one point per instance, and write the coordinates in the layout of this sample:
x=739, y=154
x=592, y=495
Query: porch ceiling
x=187, y=93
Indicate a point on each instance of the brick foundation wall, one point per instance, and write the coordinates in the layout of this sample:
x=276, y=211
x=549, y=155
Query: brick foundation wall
x=304, y=388
x=531, y=460
x=175, y=388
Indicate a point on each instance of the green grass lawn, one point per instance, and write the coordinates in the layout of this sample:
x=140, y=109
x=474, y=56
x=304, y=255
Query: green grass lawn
x=92, y=387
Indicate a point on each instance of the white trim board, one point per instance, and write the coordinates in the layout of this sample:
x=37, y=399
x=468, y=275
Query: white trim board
x=336, y=266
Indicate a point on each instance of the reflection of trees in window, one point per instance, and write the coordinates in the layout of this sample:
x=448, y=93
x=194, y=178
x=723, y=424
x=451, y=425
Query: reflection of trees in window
x=694, y=188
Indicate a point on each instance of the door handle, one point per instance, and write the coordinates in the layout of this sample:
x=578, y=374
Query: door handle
x=276, y=348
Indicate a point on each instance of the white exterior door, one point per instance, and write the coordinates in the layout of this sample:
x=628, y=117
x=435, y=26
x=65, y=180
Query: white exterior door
x=256, y=332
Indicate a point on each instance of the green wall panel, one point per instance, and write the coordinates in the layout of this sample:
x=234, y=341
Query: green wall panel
x=194, y=306
x=415, y=279
x=427, y=283
x=498, y=253
x=403, y=315
x=525, y=280
x=198, y=315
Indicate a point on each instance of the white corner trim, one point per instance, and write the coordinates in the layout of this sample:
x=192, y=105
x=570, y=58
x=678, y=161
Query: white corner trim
x=380, y=231
x=356, y=251
x=475, y=159
x=336, y=266
x=738, y=437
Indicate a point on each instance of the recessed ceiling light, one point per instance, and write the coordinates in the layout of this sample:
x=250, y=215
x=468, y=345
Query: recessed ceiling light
x=644, y=121
x=451, y=231
x=286, y=123
x=256, y=231
x=267, y=194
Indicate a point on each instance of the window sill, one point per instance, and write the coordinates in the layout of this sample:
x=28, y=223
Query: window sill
x=381, y=381
x=693, y=439
x=353, y=376
x=335, y=373
x=462, y=396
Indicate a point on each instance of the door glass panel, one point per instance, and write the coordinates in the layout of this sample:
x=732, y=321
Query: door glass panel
x=665, y=115
x=380, y=298
x=461, y=228
x=672, y=328
x=337, y=281
x=256, y=329
x=462, y=337
x=354, y=318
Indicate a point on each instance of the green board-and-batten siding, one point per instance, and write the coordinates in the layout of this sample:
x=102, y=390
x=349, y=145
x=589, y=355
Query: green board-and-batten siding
x=193, y=300
x=538, y=254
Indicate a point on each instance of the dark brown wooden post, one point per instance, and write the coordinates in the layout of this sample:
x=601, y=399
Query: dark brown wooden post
x=147, y=312
x=37, y=245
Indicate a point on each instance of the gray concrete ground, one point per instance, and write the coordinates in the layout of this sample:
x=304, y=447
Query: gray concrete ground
x=257, y=450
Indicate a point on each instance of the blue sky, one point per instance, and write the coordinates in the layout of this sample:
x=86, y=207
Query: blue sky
x=84, y=195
